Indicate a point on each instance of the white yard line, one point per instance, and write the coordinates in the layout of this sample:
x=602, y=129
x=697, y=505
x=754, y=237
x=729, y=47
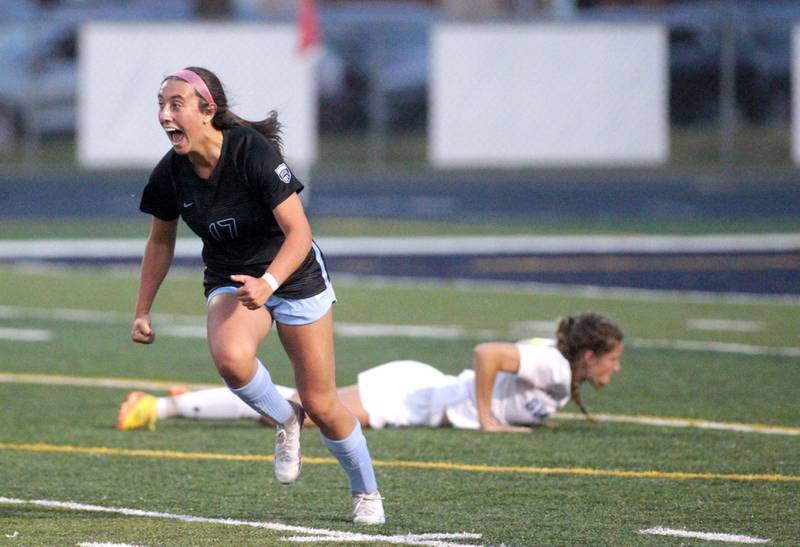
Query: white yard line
x=181, y=331
x=585, y=291
x=708, y=536
x=89, y=316
x=156, y=385
x=505, y=287
x=432, y=245
x=320, y=534
x=25, y=335
x=726, y=325
x=196, y=329
x=716, y=347
x=436, y=332
x=357, y=330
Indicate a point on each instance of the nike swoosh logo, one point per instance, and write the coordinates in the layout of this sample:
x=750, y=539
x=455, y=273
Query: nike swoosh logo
x=187, y=204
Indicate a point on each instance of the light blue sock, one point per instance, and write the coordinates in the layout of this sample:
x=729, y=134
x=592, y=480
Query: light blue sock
x=353, y=456
x=260, y=394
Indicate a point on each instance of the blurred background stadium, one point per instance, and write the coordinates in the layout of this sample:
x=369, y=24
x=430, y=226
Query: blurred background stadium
x=539, y=149
x=721, y=158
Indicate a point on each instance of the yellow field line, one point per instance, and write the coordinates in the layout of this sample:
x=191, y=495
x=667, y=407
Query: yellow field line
x=685, y=422
x=92, y=381
x=447, y=466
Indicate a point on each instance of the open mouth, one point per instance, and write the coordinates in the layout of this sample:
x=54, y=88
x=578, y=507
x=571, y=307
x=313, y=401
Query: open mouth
x=176, y=136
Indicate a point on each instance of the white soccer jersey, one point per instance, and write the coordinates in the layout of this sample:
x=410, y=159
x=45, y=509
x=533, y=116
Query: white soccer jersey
x=538, y=389
x=409, y=393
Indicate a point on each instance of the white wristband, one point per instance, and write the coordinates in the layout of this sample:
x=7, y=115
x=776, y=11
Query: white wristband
x=271, y=281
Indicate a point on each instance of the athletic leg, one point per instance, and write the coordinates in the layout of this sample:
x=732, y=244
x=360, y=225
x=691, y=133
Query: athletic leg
x=210, y=404
x=234, y=334
x=310, y=349
x=350, y=398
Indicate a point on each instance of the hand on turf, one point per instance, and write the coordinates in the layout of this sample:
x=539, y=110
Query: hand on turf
x=492, y=425
x=254, y=291
x=142, y=332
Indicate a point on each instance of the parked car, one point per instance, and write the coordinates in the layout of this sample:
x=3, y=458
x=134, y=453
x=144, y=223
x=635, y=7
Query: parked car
x=374, y=63
x=765, y=59
x=38, y=58
x=37, y=92
x=383, y=49
x=762, y=45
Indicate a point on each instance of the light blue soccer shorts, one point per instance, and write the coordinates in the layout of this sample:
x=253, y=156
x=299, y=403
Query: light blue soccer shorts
x=291, y=311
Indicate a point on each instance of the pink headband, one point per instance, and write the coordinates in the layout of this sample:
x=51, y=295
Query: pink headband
x=196, y=82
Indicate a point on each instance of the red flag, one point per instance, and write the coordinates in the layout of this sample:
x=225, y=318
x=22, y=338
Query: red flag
x=307, y=24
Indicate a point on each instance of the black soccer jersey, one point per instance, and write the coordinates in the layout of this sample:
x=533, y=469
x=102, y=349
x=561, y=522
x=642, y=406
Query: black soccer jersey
x=231, y=211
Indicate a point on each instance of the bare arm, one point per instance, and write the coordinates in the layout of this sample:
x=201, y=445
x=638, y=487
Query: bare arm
x=293, y=222
x=490, y=359
x=155, y=264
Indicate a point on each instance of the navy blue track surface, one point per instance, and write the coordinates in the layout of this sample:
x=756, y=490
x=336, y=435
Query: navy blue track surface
x=724, y=273
x=489, y=196
x=754, y=273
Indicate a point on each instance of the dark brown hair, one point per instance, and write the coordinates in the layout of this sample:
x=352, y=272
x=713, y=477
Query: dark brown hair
x=225, y=119
x=585, y=331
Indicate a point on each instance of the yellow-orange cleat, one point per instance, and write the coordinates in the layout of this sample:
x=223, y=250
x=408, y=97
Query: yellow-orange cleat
x=137, y=410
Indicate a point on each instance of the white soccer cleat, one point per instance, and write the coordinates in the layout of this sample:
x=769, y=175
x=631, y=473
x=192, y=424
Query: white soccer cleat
x=368, y=508
x=288, y=458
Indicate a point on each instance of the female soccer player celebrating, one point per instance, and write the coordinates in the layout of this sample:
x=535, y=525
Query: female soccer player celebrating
x=227, y=179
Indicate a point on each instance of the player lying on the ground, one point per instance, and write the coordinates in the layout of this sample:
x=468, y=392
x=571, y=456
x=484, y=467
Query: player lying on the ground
x=511, y=387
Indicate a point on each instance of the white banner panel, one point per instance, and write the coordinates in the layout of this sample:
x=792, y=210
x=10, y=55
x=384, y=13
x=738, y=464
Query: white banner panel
x=510, y=95
x=122, y=66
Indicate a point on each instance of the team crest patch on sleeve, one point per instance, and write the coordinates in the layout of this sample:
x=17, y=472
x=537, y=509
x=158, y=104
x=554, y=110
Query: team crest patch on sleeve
x=283, y=173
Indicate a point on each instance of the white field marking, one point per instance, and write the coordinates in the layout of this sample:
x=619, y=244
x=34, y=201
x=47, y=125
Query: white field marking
x=585, y=291
x=25, y=335
x=154, y=385
x=360, y=330
x=685, y=422
x=165, y=323
x=497, y=286
x=181, y=331
x=410, y=539
x=492, y=245
x=93, y=544
x=434, y=536
x=524, y=329
x=717, y=347
x=708, y=536
x=429, y=245
x=324, y=534
x=197, y=329
x=90, y=316
x=435, y=539
x=726, y=325
x=438, y=332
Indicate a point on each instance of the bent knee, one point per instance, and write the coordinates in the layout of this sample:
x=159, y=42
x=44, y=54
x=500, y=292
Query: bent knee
x=323, y=410
x=235, y=366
